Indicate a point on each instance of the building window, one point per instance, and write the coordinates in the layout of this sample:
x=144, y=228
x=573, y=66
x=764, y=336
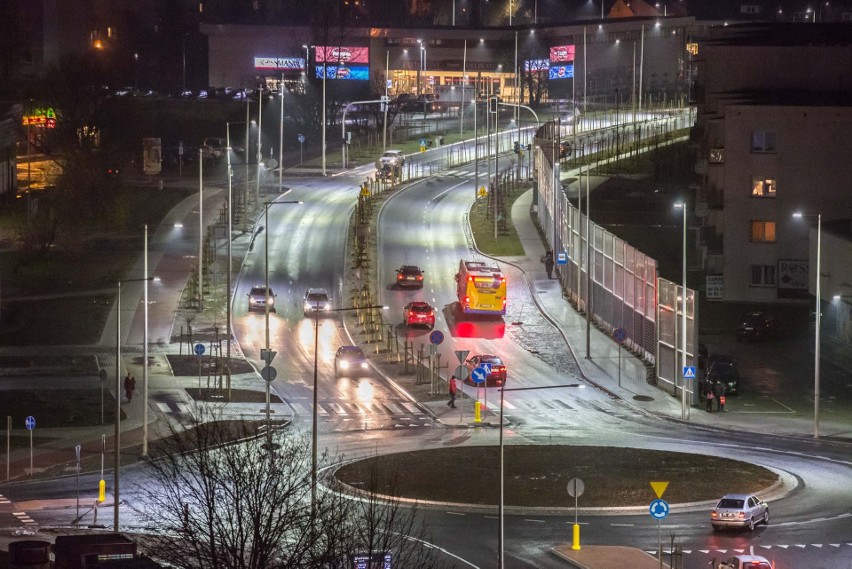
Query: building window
x=763, y=231
x=763, y=187
x=762, y=275
x=762, y=141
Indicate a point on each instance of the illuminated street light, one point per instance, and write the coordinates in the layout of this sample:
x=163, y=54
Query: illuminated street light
x=683, y=405
x=800, y=215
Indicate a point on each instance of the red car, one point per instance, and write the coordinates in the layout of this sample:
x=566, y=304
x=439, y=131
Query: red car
x=419, y=314
x=498, y=370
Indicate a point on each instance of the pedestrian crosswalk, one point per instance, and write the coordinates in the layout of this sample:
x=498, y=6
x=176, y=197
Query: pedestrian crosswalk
x=566, y=412
x=374, y=414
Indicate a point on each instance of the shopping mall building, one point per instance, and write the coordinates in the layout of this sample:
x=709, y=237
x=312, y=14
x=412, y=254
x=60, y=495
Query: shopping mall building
x=596, y=58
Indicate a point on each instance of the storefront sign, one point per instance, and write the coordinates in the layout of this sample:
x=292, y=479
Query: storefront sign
x=792, y=274
x=715, y=287
x=342, y=54
x=562, y=53
x=562, y=71
x=280, y=63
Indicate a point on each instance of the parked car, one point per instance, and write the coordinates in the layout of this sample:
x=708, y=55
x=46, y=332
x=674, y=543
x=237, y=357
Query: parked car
x=257, y=299
x=316, y=301
x=756, y=325
x=409, y=275
x=213, y=148
x=349, y=361
x=419, y=313
x=739, y=511
x=498, y=370
x=721, y=369
x=746, y=562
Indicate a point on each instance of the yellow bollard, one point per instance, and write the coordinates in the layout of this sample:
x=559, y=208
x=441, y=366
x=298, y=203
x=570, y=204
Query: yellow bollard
x=576, y=543
x=477, y=418
x=101, y=491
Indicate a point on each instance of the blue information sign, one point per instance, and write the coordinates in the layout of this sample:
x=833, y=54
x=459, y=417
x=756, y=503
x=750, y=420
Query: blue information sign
x=478, y=375
x=486, y=366
x=29, y=422
x=436, y=337
x=562, y=258
x=199, y=349
x=301, y=138
x=659, y=509
x=689, y=372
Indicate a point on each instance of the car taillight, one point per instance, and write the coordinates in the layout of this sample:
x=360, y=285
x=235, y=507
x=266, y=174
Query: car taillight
x=713, y=514
x=498, y=368
x=741, y=515
x=432, y=314
x=419, y=277
x=399, y=277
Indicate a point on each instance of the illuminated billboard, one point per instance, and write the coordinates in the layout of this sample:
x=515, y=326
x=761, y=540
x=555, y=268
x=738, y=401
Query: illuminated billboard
x=342, y=54
x=357, y=73
x=562, y=71
x=280, y=63
x=562, y=53
x=536, y=65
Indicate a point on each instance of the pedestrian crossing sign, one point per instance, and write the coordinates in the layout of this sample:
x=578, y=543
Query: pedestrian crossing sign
x=482, y=192
x=689, y=372
x=365, y=190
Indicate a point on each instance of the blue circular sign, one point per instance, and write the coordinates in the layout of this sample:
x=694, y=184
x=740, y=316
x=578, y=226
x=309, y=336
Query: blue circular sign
x=30, y=423
x=619, y=335
x=199, y=349
x=478, y=375
x=436, y=337
x=659, y=509
x=301, y=138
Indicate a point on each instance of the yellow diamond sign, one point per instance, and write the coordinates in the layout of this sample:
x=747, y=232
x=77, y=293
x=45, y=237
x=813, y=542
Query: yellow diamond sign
x=659, y=488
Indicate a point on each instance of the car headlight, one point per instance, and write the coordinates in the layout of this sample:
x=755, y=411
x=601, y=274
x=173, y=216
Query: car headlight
x=326, y=306
x=307, y=306
x=344, y=364
x=364, y=365
x=252, y=301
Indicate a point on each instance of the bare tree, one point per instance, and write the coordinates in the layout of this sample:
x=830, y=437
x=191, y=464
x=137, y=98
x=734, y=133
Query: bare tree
x=223, y=501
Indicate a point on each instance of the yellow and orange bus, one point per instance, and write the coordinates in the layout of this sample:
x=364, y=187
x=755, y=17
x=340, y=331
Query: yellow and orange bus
x=481, y=288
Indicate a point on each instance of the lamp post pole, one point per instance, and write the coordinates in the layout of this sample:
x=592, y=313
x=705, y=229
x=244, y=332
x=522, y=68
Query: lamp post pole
x=324, y=74
x=281, y=138
x=259, y=145
x=200, y=230
x=500, y=532
x=145, y=350
x=230, y=266
x=818, y=316
x=683, y=403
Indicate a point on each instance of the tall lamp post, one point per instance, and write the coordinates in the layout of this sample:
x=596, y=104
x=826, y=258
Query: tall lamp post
x=117, y=433
x=317, y=311
x=818, y=295
x=683, y=405
x=500, y=541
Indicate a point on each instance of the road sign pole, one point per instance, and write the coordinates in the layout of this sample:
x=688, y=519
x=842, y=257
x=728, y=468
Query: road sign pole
x=660, y=541
x=8, y=444
x=619, y=365
x=31, y=452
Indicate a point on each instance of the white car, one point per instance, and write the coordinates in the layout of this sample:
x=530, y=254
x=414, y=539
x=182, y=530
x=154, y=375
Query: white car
x=739, y=511
x=317, y=301
x=392, y=157
x=746, y=562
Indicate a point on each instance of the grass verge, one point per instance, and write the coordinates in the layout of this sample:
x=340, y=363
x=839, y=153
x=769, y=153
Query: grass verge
x=507, y=243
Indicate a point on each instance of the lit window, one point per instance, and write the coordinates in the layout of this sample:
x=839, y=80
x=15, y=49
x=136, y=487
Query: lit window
x=762, y=275
x=762, y=141
x=763, y=187
x=763, y=231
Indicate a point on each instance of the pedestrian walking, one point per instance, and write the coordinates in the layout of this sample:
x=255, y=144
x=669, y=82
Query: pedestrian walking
x=129, y=386
x=547, y=259
x=453, y=387
x=709, y=397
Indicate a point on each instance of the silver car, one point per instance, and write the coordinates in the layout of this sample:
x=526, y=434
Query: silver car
x=740, y=511
x=317, y=301
x=746, y=562
x=257, y=299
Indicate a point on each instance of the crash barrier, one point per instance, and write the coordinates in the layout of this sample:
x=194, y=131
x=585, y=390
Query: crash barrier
x=605, y=275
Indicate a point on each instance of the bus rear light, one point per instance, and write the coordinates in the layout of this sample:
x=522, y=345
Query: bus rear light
x=466, y=300
x=469, y=279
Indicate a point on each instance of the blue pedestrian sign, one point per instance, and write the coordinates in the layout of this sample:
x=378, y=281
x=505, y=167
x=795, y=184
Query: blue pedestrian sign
x=689, y=372
x=199, y=349
x=29, y=422
x=486, y=366
x=562, y=258
x=436, y=337
x=301, y=138
x=478, y=375
x=659, y=509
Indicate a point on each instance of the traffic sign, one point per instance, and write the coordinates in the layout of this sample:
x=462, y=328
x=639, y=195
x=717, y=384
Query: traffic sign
x=659, y=509
x=436, y=337
x=199, y=349
x=29, y=422
x=689, y=372
x=301, y=138
x=269, y=373
x=482, y=192
x=576, y=487
x=478, y=375
x=462, y=355
x=619, y=335
x=562, y=258
x=659, y=488
x=267, y=355
x=461, y=373
x=486, y=366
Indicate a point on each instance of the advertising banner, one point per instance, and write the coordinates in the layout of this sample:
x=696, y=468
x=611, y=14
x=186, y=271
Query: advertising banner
x=280, y=63
x=344, y=72
x=793, y=274
x=536, y=65
x=327, y=54
x=562, y=72
x=152, y=162
x=562, y=53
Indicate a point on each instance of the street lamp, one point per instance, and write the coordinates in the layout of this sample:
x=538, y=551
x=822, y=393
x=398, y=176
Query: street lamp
x=683, y=406
x=268, y=360
x=800, y=215
x=117, y=434
x=500, y=559
x=315, y=402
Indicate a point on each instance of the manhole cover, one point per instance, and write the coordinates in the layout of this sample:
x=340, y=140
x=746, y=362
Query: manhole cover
x=642, y=398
